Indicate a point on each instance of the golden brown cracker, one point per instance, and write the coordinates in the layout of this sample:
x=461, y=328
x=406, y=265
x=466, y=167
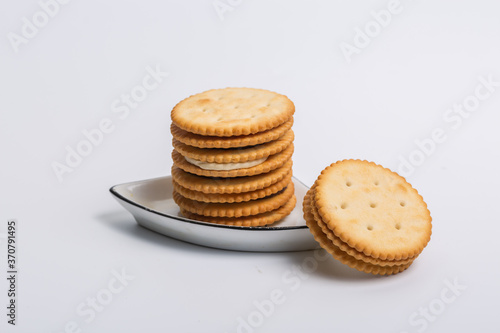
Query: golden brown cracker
x=230, y=185
x=234, y=155
x=271, y=163
x=233, y=197
x=247, y=208
x=345, y=247
x=259, y=220
x=373, y=210
x=203, y=141
x=340, y=255
x=232, y=112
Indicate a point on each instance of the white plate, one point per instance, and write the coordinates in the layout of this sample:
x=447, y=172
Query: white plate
x=151, y=203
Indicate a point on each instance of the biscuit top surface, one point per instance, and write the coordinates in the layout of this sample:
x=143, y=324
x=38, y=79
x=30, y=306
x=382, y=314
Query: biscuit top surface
x=232, y=111
x=373, y=209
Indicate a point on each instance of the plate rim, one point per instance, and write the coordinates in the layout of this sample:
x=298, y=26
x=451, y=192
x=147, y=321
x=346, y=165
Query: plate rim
x=116, y=194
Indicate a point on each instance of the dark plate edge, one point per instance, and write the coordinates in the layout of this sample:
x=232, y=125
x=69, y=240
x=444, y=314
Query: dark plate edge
x=115, y=193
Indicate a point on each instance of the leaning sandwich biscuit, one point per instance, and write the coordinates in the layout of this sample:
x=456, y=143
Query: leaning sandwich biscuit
x=367, y=217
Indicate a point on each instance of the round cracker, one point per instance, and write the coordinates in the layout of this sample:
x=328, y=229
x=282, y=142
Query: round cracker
x=247, y=208
x=234, y=155
x=273, y=162
x=202, y=141
x=373, y=210
x=345, y=247
x=230, y=185
x=340, y=255
x=258, y=220
x=233, y=197
x=232, y=112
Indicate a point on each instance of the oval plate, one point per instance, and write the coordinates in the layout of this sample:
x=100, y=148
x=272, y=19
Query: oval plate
x=151, y=203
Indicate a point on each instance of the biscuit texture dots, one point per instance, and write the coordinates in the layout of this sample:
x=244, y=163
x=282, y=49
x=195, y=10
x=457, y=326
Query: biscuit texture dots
x=373, y=209
x=232, y=112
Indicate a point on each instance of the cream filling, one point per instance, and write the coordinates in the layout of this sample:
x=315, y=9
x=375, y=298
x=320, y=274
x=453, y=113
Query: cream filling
x=225, y=166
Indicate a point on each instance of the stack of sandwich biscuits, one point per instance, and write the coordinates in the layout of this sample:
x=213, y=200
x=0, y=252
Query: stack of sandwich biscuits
x=233, y=156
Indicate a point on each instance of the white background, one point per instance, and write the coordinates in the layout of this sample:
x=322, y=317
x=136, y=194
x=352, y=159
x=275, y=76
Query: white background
x=73, y=235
